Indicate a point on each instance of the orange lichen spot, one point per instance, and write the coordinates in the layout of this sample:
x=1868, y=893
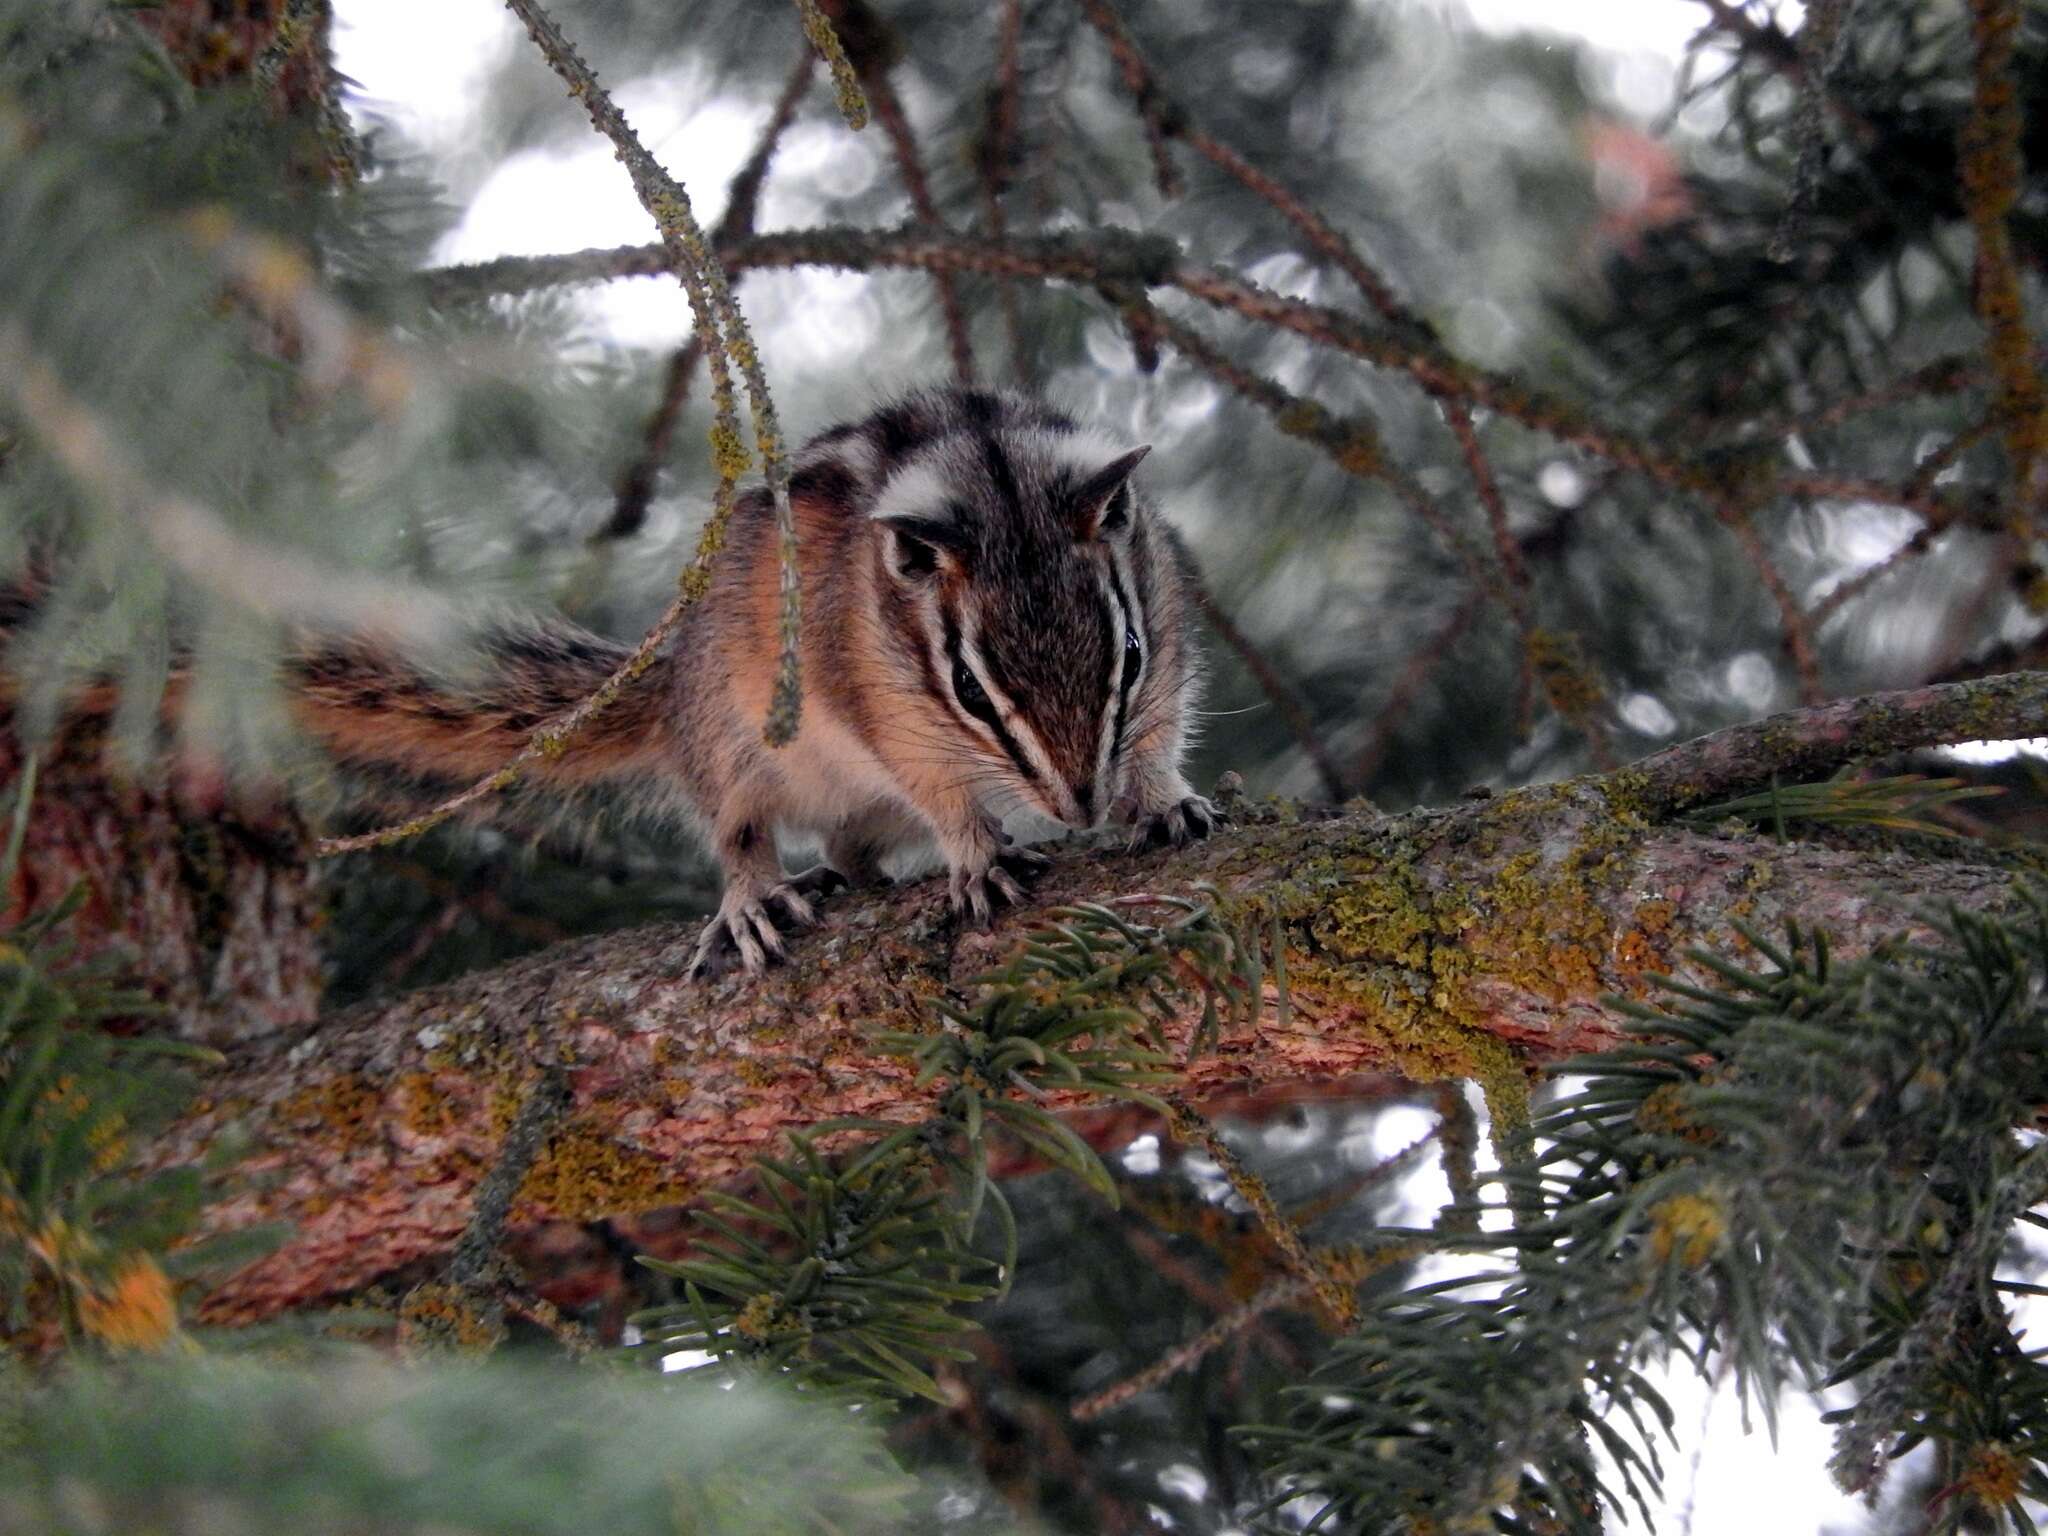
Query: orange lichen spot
x=763, y=1316
x=441, y=1317
x=1690, y=1226
x=423, y=1108
x=135, y=1308
x=1994, y=1475
x=581, y=1175
x=346, y=1106
x=1663, y=1112
x=1655, y=915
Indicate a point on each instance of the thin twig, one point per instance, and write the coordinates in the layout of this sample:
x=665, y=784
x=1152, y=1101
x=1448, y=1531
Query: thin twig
x=1992, y=170
x=1797, y=630
x=1354, y=1268
x=742, y=206
x=993, y=158
x=1401, y=695
x=1292, y=710
x=1919, y=543
x=1185, y=1357
x=1190, y=1126
x=1822, y=41
x=1154, y=109
x=719, y=320
x=895, y=124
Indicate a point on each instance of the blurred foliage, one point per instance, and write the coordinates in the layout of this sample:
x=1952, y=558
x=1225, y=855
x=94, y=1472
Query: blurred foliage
x=1517, y=198
x=83, y=1230
x=1807, y=1172
x=214, y=1447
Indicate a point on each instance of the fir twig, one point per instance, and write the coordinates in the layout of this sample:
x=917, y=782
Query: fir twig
x=1275, y=687
x=994, y=154
x=1992, y=168
x=895, y=124
x=719, y=321
x=1896, y=804
x=1107, y=259
x=1336, y=1298
x=1801, y=744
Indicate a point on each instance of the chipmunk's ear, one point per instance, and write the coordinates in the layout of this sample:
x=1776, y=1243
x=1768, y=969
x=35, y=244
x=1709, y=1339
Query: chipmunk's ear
x=1102, y=502
x=918, y=548
x=923, y=530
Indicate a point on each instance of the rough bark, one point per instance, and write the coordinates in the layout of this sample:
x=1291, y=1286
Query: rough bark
x=210, y=909
x=1474, y=941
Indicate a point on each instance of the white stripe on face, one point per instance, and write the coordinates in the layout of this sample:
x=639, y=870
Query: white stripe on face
x=1052, y=794
x=1128, y=622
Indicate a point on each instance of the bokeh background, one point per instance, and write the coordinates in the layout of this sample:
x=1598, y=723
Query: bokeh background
x=1606, y=199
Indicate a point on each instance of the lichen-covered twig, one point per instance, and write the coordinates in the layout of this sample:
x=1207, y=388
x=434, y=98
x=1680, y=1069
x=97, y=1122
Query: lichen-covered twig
x=1806, y=743
x=846, y=85
x=742, y=205
x=719, y=321
x=1335, y=1297
x=1992, y=169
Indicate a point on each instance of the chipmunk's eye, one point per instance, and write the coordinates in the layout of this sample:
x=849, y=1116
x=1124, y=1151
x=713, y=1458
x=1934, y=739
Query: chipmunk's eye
x=1131, y=641
x=968, y=690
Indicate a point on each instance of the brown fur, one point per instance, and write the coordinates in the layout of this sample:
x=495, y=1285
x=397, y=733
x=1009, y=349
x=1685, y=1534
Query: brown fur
x=953, y=532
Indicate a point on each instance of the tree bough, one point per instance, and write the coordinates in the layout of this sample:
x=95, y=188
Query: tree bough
x=1475, y=941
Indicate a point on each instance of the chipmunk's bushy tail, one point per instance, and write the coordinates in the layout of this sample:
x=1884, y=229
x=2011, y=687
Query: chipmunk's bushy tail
x=374, y=709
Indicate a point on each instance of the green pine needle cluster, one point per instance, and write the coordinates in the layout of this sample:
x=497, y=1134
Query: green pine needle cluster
x=83, y=1233
x=849, y=1274
x=1896, y=804
x=1808, y=1173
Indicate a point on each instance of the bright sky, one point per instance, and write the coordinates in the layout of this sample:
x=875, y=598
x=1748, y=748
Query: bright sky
x=422, y=64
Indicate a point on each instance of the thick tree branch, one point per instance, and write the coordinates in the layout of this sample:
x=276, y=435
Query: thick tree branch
x=1476, y=942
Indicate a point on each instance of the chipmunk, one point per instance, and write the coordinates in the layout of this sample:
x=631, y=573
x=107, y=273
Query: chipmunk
x=993, y=616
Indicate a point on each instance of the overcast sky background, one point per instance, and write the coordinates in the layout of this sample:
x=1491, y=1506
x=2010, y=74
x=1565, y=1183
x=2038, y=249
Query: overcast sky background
x=421, y=66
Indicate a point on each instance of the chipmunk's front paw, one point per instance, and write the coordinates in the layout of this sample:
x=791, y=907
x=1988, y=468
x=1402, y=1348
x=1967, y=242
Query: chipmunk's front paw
x=977, y=892
x=749, y=927
x=1181, y=823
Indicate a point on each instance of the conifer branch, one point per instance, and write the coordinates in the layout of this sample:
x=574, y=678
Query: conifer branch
x=1470, y=942
x=1808, y=743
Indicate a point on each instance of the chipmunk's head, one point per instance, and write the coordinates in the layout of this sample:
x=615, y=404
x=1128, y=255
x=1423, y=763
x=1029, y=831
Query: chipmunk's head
x=1023, y=579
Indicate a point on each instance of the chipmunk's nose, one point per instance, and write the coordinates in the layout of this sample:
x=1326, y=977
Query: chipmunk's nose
x=1088, y=802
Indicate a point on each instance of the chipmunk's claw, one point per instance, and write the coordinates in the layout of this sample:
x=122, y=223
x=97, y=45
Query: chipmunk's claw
x=1187, y=820
x=1005, y=879
x=748, y=932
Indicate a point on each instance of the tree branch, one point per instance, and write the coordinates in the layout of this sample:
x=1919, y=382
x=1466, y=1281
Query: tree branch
x=1476, y=942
